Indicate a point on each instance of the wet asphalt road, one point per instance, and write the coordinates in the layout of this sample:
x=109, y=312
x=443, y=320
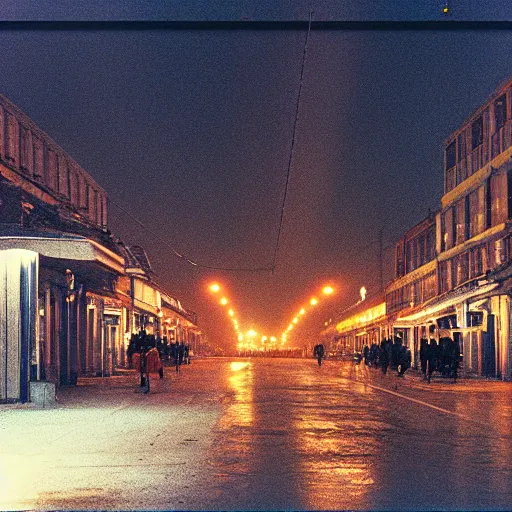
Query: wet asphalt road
x=262, y=434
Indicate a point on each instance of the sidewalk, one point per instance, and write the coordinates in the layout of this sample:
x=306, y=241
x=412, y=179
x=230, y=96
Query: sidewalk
x=414, y=379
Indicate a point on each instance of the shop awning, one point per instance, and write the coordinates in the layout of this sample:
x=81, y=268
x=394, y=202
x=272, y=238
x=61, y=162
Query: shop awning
x=434, y=310
x=63, y=246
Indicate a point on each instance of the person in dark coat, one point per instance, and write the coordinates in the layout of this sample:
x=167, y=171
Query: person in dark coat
x=384, y=356
x=423, y=357
x=454, y=359
x=318, y=352
x=366, y=353
x=432, y=358
x=404, y=361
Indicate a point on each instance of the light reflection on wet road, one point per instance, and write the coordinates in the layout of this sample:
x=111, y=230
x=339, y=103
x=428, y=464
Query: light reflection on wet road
x=333, y=438
x=275, y=434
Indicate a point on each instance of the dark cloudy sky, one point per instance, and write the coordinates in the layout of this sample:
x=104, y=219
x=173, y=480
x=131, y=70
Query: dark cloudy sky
x=190, y=131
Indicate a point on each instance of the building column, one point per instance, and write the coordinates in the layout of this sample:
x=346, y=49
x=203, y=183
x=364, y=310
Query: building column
x=18, y=321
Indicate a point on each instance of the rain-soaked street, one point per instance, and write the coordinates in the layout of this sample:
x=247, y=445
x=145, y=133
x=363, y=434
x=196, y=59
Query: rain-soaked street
x=262, y=434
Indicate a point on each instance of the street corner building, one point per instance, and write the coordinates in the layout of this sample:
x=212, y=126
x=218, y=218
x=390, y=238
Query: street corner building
x=71, y=293
x=453, y=270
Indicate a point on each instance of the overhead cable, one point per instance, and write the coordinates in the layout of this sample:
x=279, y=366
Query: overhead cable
x=294, y=134
x=182, y=256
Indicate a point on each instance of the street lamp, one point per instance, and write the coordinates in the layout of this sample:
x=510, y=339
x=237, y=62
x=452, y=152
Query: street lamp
x=214, y=288
x=327, y=290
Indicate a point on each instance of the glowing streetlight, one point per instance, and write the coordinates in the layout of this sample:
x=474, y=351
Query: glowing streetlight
x=295, y=320
x=327, y=290
x=313, y=301
x=223, y=301
x=302, y=311
x=231, y=312
x=214, y=288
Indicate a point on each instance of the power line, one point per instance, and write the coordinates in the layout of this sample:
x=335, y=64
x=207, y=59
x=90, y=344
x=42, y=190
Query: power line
x=293, y=145
x=182, y=256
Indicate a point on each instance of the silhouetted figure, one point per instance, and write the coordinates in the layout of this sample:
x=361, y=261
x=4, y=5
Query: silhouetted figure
x=384, y=356
x=318, y=352
x=423, y=357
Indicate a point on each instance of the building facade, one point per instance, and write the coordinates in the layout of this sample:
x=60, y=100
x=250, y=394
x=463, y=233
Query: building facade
x=69, y=298
x=454, y=269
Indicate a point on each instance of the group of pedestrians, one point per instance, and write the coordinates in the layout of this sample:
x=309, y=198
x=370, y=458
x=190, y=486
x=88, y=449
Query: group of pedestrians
x=147, y=353
x=390, y=353
x=443, y=357
x=141, y=342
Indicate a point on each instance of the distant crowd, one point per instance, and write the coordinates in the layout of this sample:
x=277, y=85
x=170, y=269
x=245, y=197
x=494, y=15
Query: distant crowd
x=391, y=353
x=142, y=343
x=442, y=356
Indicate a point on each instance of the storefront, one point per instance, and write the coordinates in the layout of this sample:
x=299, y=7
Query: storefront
x=51, y=324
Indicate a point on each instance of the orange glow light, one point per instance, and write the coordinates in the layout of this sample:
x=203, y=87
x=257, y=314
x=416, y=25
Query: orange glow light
x=223, y=301
x=313, y=301
x=214, y=288
x=327, y=290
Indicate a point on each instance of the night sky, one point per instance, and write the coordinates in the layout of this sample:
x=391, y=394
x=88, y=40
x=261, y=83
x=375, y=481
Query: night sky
x=190, y=131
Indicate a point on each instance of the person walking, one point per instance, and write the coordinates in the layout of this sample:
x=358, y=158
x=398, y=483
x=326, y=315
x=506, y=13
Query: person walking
x=318, y=352
x=384, y=356
x=423, y=357
x=432, y=354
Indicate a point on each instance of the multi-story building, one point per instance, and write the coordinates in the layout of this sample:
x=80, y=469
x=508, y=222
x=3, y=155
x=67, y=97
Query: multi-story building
x=454, y=269
x=63, y=312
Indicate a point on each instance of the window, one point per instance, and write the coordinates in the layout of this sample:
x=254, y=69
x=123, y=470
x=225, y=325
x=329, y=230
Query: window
x=460, y=221
x=63, y=175
x=460, y=268
x=421, y=251
x=477, y=133
x=444, y=277
x=476, y=212
x=430, y=244
x=447, y=229
x=51, y=180
x=498, y=198
x=11, y=152
x=477, y=261
x=450, y=155
x=461, y=143
x=500, y=112
x=400, y=259
x=27, y=153
x=38, y=158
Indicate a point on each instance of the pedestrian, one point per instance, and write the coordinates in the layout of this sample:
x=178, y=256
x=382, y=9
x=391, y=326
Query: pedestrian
x=384, y=356
x=423, y=357
x=404, y=361
x=318, y=352
x=432, y=354
x=366, y=353
x=454, y=359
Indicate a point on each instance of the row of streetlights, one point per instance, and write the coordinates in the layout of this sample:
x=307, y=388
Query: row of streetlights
x=248, y=339
x=326, y=290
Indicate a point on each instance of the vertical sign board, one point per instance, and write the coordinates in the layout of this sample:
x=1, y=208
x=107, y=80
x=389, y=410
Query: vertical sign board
x=18, y=317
